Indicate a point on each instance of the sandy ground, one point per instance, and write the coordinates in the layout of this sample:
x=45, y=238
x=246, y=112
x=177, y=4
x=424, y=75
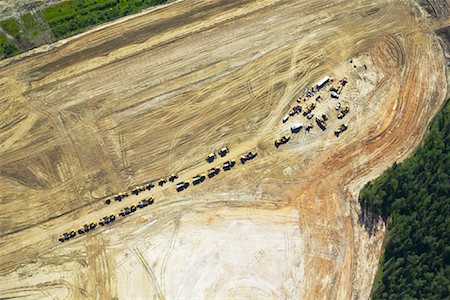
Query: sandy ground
x=153, y=95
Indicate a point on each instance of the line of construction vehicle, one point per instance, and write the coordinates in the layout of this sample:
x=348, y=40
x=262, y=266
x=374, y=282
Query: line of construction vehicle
x=105, y=220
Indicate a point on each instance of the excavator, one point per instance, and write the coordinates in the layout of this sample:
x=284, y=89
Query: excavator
x=341, y=129
x=321, y=124
x=342, y=113
x=283, y=140
x=249, y=156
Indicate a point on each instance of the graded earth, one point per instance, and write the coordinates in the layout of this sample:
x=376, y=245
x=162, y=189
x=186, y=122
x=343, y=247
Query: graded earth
x=153, y=94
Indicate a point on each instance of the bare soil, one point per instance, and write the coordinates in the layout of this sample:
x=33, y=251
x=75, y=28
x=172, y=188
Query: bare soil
x=153, y=94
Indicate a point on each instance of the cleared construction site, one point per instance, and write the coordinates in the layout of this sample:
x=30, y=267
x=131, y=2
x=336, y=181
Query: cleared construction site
x=211, y=149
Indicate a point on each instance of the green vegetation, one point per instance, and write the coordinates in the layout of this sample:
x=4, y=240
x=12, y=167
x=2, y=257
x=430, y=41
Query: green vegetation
x=63, y=20
x=414, y=197
x=69, y=18
x=12, y=27
x=28, y=21
x=7, y=48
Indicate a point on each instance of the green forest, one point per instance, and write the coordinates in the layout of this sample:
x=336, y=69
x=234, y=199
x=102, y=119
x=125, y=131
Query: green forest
x=413, y=197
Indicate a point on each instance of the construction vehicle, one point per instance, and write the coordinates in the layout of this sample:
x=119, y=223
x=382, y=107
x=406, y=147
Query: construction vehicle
x=249, y=156
x=119, y=197
x=285, y=119
x=323, y=82
x=149, y=186
x=321, y=124
x=145, y=202
x=211, y=157
x=282, y=141
x=318, y=98
x=309, y=127
x=182, y=186
x=173, y=177
x=162, y=182
x=341, y=129
x=106, y=220
x=324, y=117
x=295, y=110
x=338, y=106
x=296, y=128
x=228, y=165
x=224, y=151
x=309, y=116
x=342, y=113
x=67, y=236
x=334, y=95
x=107, y=201
x=343, y=81
x=213, y=172
x=309, y=109
x=137, y=190
x=198, y=179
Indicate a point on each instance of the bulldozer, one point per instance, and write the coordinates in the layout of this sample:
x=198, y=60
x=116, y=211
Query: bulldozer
x=211, y=157
x=224, y=151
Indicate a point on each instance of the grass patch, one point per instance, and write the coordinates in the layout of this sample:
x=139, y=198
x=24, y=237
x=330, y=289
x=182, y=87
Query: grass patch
x=7, y=48
x=71, y=17
x=28, y=21
x=11, y=26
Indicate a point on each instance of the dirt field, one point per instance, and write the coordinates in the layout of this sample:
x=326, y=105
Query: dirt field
x=154, y=94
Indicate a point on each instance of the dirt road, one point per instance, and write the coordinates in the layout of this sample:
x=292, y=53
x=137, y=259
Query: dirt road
x=140, y=99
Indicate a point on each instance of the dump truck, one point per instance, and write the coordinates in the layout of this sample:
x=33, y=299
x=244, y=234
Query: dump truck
x=296, y=128
x=321, y=124
x=224, y=151
x=198, y=179
x=282, y=140
x=182, y=186
x=213, y=172
x=343, y=112
x=211, y=157
x=341, y=129
x=228, y=165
